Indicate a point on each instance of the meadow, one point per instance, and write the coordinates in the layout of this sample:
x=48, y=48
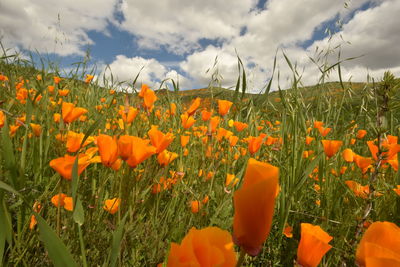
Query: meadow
x=95, y=176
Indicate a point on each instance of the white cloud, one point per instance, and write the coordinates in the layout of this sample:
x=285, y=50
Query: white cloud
x=53, y=26
x=125, y=69
x=179, y=25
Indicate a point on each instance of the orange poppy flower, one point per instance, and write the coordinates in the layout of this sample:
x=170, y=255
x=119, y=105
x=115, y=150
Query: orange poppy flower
x=379, y=245
x=210, y=246
x=165, y=157
x=240, y=126
x=309, y=140
x=194, y=106
x=63, y=92
x=184, y=140
x=331, y=147
x=108, y=149
x=74, y=141
x=2, y=118
x=318, y=124
x=361, y=134
x=255, y=199
x=140, y=151
x=125, y=146
x=70, y=113
x=358, y=189
x=68, y=203
x=160, y=140
x=206, y=115
x=64, y=165
x=233, y=140
x=37, y=129
x=397, y=190
x=58, y=200
x=288, y=231
x=363, y=163
x=254, y=144
x=224, y=106
x=172, y=109
x=128, y=114
x=324, y=131
x=313, y=245
x=187, y=121
x=36, y=207
x=195, y=206
x=88, y=78
x=231, y=179
x=143, y=90
x=56, y=79
x=112, y=205
x=56, y=117
x=149, y=99
x=214, y=121
x=348, y=155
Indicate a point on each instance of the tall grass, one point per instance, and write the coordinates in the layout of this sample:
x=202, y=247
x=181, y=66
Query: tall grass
x=140, y=233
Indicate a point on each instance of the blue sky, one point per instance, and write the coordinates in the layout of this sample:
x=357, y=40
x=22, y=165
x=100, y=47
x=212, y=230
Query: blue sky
x=174, y=39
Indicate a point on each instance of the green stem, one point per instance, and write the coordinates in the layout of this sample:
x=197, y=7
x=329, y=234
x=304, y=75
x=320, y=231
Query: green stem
x=82, y=247
x=241, y=258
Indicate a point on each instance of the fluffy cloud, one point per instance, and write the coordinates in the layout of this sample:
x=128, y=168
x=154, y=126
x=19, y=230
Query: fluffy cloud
x=178, y=25
x=53, y=26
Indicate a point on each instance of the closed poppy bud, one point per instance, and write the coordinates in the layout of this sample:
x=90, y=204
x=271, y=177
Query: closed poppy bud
x=194, y=106
x=331, y=147
x=58, y=200
x=348, y=155
x=224, y=106
x=254, y=206
x=108, y=149
x=112, y=205
x=379, y=245
x=229, y=179
x=397, y=190
x=68, y=203
x=210, y=246
x=313, y=245
x=205, y=200
x=361, y=134
x=195, y=206
x=352, y=141
x=184, y=140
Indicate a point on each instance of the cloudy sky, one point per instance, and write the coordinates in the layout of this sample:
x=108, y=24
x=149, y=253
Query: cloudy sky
x=181, y=39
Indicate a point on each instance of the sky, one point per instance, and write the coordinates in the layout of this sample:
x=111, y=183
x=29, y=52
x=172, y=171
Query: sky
x=189, y=41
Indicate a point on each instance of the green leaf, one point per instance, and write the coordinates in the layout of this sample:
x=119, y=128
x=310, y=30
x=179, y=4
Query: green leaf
x=56, y=249
x=8, y=154
x=116, y=242
x=79, y=215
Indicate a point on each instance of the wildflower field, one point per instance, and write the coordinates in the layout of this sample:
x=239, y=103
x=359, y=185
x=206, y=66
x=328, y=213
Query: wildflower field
x=95, y=176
